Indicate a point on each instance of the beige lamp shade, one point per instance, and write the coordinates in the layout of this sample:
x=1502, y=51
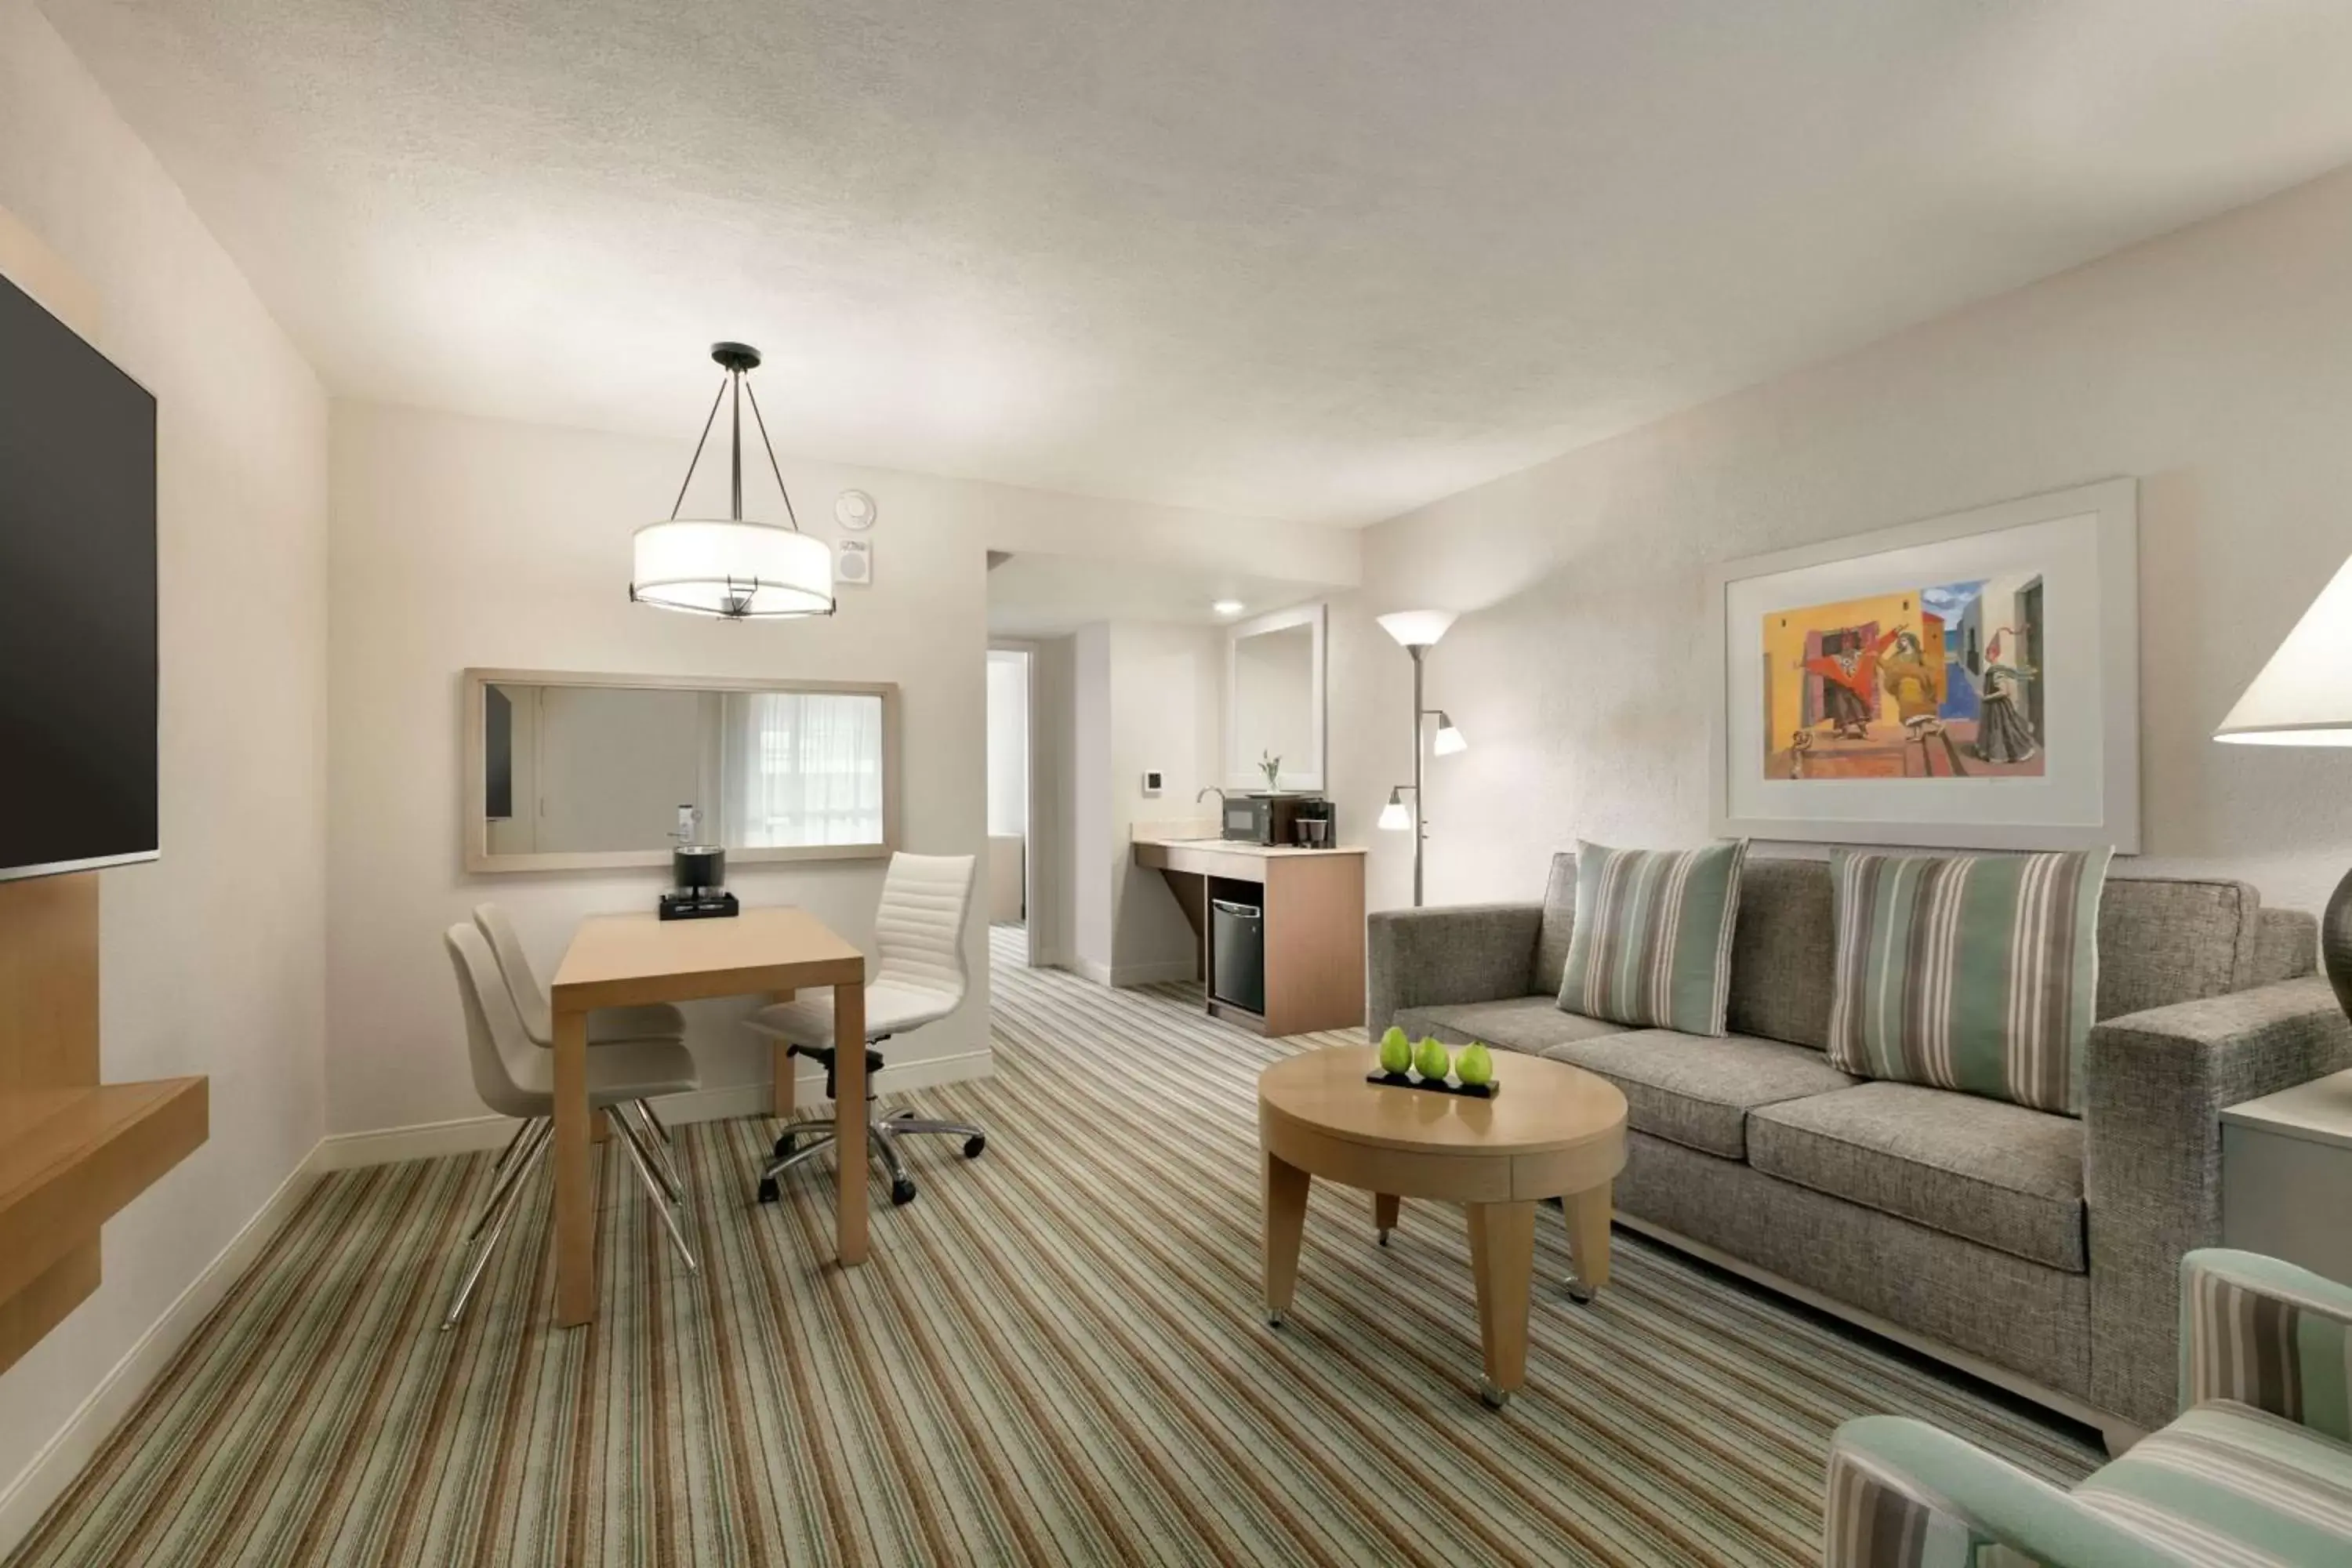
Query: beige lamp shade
x=1417, y=628
x=2303, y=695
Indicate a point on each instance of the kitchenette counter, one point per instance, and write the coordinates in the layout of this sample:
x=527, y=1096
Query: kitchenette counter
x=1309, y=966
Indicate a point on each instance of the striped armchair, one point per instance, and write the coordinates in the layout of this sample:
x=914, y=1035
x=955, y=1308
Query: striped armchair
x=2256, y=1470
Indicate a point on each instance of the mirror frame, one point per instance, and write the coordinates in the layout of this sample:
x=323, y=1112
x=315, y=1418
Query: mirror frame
x=474, y=816
x=1240, y=773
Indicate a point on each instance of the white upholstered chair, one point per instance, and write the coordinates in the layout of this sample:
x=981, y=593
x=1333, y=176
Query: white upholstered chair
x=655, y=1021
x=920, y=978
x=515, y=1077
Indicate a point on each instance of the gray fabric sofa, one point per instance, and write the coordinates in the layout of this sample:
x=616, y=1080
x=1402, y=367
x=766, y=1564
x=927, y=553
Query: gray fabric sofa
x=2037, y=1250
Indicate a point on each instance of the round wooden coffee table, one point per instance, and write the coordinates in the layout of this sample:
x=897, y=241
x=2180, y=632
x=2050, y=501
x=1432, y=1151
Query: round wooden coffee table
x=1553, y=1131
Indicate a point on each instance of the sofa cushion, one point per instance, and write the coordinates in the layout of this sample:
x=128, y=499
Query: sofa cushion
x=1652, y=946
x=1977, y=972
x=1998, y=1173
x=2229, y=1483
x=1697, y=1090
x=1781, y=953
x=1518, y=1022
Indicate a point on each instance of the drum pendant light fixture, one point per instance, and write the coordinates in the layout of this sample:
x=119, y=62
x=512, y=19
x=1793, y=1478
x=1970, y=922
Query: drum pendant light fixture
x=731, y=568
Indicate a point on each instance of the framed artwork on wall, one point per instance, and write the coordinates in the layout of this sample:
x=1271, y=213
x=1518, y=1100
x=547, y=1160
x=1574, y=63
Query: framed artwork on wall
x=1969, y=681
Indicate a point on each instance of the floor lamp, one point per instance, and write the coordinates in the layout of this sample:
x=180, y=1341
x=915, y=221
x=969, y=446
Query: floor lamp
x=2302, y=697
x=1417, y=631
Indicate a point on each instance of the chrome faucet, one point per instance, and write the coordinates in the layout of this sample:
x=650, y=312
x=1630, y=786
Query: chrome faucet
x=1204, y=791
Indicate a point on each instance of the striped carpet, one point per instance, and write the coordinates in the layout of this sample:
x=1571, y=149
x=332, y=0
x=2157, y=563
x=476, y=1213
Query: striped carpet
x=1057, y=1355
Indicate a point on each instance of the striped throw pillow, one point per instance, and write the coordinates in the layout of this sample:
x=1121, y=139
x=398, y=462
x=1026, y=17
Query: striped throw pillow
x=1973, y=973
x=1651, y=943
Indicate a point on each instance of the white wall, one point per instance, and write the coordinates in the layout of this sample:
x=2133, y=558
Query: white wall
x=2212, y=364
x=212, y=956
x=1149, y=696
x=461, y=541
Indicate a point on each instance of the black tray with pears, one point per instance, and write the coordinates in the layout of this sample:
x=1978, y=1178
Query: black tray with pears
x=1435, y=1083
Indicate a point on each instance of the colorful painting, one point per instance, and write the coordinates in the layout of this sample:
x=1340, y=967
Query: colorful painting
x=1938, y=682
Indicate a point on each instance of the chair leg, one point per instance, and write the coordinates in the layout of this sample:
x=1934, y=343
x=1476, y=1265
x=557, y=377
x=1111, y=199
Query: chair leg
x=884, y=1146
x=653, y=1185
x=513, y=1143
x=768, y=1190
x=657, y=1147
x=508, y=1199
x=539, y=1130
x=905, y=1121
x=661, y=1130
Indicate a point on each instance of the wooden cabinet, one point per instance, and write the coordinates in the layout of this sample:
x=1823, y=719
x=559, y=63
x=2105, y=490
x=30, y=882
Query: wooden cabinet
x=1313, y=901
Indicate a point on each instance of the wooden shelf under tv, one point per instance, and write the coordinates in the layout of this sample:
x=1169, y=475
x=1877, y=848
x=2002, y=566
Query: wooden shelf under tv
x=73, y=1151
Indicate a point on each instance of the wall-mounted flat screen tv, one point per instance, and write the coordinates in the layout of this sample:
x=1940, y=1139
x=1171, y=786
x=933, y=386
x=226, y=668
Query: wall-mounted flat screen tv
x=78, y=776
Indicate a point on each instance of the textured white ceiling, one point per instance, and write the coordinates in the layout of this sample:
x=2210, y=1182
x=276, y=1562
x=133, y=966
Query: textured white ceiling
x=1308, y=258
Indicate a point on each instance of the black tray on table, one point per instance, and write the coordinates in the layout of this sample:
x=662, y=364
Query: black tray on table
x=1434, y=1085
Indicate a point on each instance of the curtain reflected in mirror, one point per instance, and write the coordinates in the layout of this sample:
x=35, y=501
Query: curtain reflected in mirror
x=606, y=771
x=800, y=768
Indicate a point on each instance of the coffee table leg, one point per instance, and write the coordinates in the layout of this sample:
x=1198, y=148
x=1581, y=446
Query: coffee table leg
x=1502, y=1262
x=1588, y=1240
x=1384, y=1214
x=1286, y=1226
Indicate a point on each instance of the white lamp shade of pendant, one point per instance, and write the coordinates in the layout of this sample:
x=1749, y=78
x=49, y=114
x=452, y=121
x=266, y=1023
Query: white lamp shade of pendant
x=1417, y=628
x=2303, y=695
x=737, y=570
x=1394, y=817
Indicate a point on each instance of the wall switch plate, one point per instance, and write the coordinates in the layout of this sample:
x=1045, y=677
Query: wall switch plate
x=1151, y=781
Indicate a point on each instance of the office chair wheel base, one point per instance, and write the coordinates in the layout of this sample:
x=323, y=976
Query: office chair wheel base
x=902, y=1193
x=768, y=1193
x=787, y=1143
x=975, y=1144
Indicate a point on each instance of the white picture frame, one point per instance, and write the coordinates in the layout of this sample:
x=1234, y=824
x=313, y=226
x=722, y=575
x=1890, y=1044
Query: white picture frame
x=2082, y=547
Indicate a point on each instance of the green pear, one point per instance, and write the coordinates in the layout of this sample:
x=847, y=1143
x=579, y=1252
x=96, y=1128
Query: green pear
x=1475, y=1063
x=1431, y=1061
x=1396, y=1051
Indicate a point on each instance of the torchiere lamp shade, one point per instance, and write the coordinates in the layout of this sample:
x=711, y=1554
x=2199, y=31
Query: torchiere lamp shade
x=2303, y=695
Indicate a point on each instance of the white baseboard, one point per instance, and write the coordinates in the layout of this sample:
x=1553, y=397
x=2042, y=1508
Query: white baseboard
x=61, y=1459
x=431, y=1139
x=1159, y=974
x=1087, y=969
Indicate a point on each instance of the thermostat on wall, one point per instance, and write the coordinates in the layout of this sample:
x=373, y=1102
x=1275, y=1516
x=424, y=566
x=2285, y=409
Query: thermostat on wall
x=1151, y=781
x=853, y=562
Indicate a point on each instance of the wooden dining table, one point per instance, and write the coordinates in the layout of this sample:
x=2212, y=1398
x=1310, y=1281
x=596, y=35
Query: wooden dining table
x=621, y=961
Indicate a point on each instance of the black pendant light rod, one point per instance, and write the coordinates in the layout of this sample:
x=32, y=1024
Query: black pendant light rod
x=736, y=359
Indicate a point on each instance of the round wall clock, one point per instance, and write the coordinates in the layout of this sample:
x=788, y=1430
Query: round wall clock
x=854, y=511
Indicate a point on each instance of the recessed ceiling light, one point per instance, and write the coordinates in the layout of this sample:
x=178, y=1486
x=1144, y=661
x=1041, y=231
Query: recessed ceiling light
x=1227, y=606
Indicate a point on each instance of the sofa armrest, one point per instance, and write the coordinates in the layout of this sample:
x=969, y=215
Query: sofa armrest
x=2268, y=1334
x=2156, y=1086
x=1468, y=953
x=1903, y=1494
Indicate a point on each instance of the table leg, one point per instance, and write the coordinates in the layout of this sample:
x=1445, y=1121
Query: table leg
x=1588, y=1240
x=784, y=1065
x=1502, y=1263
x=575, y=1191
x=849, y=1123
x=1285, y=1228
x=1384, y=1215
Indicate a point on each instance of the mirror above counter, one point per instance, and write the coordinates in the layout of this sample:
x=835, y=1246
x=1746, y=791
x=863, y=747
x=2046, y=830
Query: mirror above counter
x=565, y=771
x=1274, y=700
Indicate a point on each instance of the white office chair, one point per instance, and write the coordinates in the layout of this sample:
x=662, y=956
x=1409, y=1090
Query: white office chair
x=921, y=978
x=516, y=1078
x=656, y=1021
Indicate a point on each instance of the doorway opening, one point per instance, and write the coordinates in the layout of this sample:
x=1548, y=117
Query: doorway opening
x=1011, y=838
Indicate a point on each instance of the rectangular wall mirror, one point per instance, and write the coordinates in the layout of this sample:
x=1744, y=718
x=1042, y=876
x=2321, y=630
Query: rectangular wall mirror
x=570, y=771
x=1274, y=698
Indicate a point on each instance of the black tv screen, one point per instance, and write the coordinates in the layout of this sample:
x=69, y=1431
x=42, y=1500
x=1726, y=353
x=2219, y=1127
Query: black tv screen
x=77, y=601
